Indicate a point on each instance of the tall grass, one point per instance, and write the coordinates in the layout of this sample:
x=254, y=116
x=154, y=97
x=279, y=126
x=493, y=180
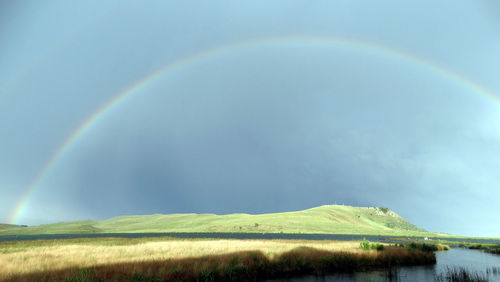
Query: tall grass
x=461, y=274
x=489, y=248
x=17, y=258
x=493, y=271
x=425, y=247
x=238, y=266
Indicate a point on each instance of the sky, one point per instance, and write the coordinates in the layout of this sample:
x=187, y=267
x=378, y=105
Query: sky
x=112, y=108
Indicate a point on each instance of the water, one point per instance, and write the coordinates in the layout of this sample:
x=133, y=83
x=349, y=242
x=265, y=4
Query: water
x=337, y=237
x=472, y=260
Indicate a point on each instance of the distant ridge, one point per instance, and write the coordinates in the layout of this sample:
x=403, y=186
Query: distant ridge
x=328, y=219
x=6, y=226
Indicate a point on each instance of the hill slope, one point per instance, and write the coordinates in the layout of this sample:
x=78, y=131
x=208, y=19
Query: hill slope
x=6, y=226
x=333, y=219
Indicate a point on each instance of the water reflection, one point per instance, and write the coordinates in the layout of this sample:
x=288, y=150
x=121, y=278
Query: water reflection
x=473, y=260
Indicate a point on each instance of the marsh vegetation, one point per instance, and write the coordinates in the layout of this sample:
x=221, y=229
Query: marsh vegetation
x=193, y=259
x=167, y=258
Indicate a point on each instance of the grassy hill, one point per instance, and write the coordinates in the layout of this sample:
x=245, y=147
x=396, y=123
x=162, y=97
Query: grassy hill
x=333, y=219
x=6, y=226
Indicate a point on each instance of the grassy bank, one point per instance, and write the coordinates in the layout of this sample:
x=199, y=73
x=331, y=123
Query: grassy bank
x=238, y=266
x=489, y=248
x=330, y=219
x=191, y=259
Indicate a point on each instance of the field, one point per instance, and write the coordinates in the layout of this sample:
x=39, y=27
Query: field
x=330, y=219
x=23, y=257
x=191, y=259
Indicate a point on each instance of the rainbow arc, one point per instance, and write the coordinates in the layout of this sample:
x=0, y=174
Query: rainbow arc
x=135, y=88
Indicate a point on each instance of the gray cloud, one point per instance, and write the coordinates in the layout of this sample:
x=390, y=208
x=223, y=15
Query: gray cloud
x=266, y=128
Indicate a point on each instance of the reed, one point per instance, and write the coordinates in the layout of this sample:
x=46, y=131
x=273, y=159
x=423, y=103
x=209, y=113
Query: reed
x=237, y=266
x=49, y=255
x=456, y=274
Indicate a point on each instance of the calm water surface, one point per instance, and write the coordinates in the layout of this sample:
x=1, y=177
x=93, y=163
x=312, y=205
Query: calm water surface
x=472, y=260
x=338, y=237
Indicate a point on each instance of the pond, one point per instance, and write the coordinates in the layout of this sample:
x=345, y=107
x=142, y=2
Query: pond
x=474, y=261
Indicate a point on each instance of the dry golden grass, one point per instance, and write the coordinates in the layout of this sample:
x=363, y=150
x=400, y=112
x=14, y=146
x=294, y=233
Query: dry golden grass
x=238, y=266
x=442, y=247
x=50, y=257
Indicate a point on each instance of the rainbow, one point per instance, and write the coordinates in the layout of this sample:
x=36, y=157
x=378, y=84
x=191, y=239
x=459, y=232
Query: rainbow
x=133, y=89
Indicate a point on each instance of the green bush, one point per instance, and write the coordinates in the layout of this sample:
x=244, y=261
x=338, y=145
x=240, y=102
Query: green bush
x=384, y=210
x=422, y=247
x=364, y=245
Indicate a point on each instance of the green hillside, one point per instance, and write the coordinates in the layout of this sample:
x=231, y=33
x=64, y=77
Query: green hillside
x=333, y=219
x=6, y=226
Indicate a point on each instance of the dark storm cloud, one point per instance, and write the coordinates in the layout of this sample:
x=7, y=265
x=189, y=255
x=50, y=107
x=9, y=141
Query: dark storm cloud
x=232, y=136
x=263, y=129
